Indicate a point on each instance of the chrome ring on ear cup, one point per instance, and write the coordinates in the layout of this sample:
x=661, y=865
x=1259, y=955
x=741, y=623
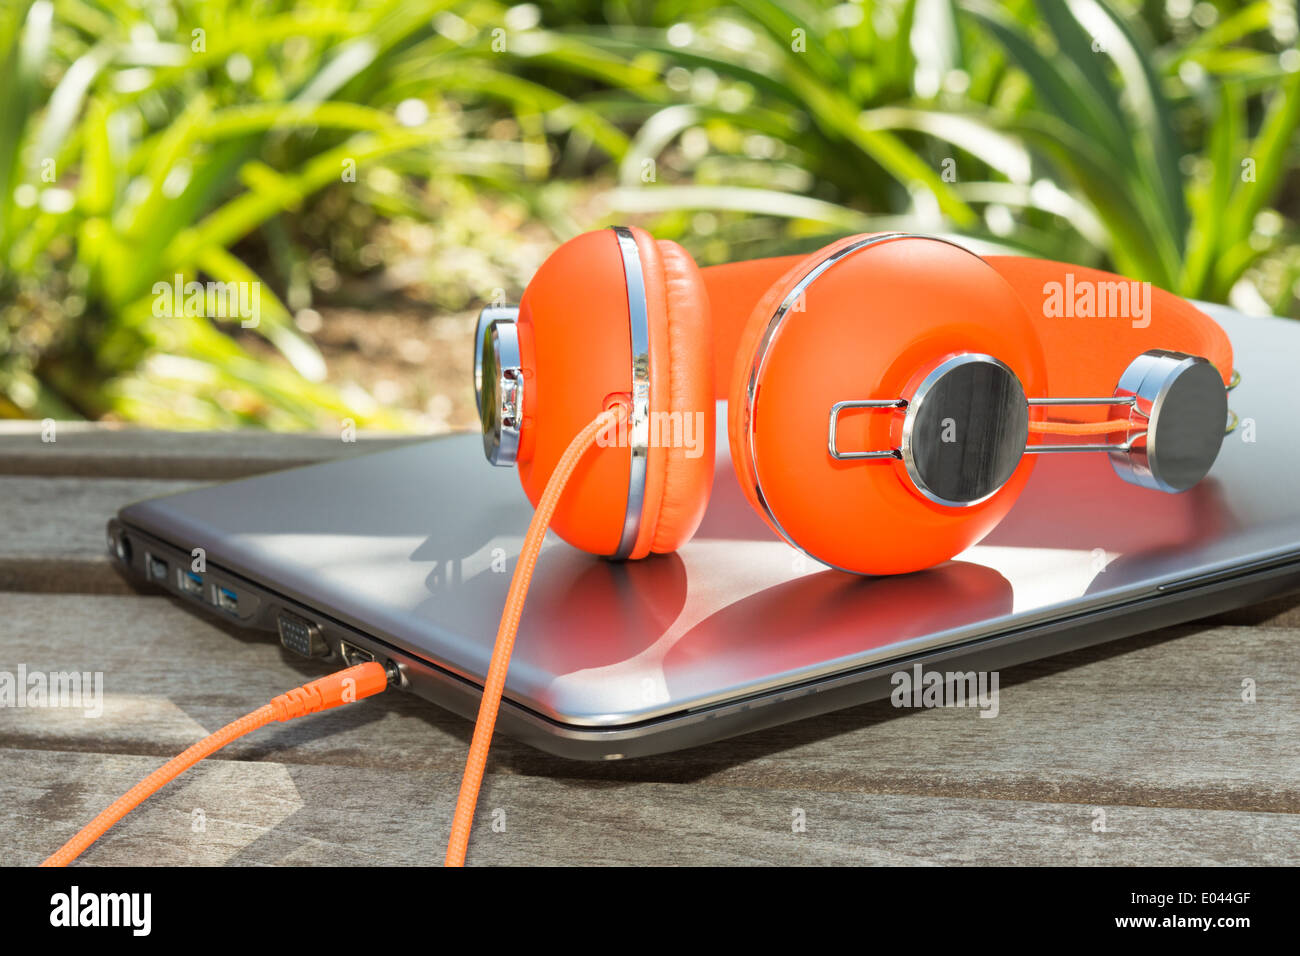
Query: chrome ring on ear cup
x=638, y=427
x=966, y=425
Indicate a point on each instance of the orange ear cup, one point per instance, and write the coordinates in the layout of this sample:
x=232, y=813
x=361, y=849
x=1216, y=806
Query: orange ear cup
x=862, y=330
x=576, y=349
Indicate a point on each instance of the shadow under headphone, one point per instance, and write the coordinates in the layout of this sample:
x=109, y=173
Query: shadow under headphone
x=887, y=395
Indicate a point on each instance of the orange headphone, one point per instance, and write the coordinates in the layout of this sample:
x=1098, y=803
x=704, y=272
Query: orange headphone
x=882, y=391
x=878, y=393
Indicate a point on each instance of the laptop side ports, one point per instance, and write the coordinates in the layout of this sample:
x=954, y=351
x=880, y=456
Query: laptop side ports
x=353, y=655
x=226, y=599
x=189, y=582
x=156, y=568
x=300, y=635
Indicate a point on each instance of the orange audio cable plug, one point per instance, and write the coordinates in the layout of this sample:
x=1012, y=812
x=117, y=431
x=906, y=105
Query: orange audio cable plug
x=342, y=687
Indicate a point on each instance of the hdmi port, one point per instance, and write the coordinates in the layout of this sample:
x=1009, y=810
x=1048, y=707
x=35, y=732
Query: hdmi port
x=353, y=655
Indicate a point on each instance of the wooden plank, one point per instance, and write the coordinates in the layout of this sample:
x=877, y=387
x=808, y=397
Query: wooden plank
x=54, y=538
x=260, y=813
x=97, y=451
x=1150, y=721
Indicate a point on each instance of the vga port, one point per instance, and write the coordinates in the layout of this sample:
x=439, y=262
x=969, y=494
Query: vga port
x=300, y=635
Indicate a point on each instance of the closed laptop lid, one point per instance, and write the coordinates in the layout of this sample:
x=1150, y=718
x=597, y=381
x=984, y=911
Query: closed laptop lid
x=415, y=545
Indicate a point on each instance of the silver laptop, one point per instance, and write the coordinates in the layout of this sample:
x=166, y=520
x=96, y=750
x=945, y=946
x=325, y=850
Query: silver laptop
x=404, y=556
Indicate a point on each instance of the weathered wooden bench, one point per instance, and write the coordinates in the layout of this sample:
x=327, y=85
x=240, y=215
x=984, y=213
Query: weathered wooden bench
x=1138, y=751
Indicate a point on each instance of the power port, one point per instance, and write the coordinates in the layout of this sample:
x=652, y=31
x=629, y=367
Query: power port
x=301, y=636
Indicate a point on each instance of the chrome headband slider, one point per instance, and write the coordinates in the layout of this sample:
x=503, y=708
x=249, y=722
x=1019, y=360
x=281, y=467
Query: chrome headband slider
x=966, y=426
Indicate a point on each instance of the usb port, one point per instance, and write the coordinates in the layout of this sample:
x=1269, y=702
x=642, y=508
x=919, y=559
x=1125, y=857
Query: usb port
x=189, y=582
x=157, y=568
x=227, y=599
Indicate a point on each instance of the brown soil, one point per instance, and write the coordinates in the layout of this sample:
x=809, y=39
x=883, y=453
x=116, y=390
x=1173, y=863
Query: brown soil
x=407, y=358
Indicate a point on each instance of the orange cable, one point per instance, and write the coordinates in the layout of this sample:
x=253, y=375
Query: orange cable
x=1081, y=428
x=341, y=687
x=494, y=685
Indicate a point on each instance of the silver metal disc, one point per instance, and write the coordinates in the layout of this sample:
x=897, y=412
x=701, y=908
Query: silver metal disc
x=499, y=389
x=486, y=316
x=965, y=430
x=1180, y=402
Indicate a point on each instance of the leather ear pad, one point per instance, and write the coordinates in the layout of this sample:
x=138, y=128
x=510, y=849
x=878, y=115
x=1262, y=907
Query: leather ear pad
x=863, y=330
x=681, y=460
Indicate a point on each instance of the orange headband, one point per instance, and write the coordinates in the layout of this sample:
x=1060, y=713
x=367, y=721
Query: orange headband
x=1111, y=342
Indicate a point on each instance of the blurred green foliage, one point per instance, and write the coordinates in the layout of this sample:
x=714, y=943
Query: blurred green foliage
x=142, y=142
x=266, y=141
